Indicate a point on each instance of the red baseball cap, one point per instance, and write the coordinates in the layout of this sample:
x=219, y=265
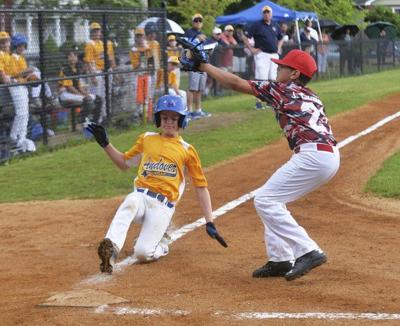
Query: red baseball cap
x=299, y=60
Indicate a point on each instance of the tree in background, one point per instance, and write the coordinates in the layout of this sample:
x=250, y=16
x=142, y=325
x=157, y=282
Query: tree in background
x=341, y=11
x=385, y=14
x=183, y=10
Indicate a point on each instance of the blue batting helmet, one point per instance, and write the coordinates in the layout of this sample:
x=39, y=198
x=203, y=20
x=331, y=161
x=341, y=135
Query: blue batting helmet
x=18, y=39
x=171, y=103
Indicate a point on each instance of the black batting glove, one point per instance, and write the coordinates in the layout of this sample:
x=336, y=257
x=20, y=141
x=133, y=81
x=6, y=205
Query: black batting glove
x=99, y=133
x=213, y=233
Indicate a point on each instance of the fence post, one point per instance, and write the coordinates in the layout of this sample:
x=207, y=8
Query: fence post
x=394, y=53
x=164, y=57
x=42, y=65
x=107, y=88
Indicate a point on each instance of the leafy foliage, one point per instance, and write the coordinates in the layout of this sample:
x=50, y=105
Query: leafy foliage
x=342, y=11
x=381, y=13
x=183, y=10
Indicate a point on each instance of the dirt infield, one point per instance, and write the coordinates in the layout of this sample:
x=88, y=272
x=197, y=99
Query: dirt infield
x=50, y=247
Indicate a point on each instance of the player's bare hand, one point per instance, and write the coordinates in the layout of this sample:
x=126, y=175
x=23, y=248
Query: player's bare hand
x=99, y=133
x=213, y=233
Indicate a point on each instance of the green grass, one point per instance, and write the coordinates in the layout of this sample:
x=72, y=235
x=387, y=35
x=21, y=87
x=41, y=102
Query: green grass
x=83, y=171
x=386, y=182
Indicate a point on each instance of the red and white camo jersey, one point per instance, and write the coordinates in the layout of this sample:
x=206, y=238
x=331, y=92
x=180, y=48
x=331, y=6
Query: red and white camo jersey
x=300, y=112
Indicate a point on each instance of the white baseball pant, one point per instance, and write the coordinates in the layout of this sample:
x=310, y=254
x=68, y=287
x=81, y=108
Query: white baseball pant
x=155, y=218
x=265, y=69
x=307, y=170
x=19, y=128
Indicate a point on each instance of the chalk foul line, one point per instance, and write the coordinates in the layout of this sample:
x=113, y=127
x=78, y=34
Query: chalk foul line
x=177, y=234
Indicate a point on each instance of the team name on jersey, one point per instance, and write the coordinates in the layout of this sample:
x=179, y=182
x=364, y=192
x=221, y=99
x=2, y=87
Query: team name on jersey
x=307, y=97
x=159, y=168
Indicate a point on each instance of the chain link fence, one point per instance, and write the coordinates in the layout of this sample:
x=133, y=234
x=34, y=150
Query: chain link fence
x=59, y=68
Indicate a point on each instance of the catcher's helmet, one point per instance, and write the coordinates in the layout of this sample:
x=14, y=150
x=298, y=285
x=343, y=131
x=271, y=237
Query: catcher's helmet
x=150, y=27
x=171, y=103
x=17, y=40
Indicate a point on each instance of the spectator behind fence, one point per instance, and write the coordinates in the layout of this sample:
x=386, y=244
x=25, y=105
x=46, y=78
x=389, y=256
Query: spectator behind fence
x=382, y=45
x=322, y=50
x=227, y=53
x=173, y=89
x=19, y=95
x=174, y=50
x=73, y=93
x=239, y=62
x=151, y=30
x=94, y=59
x=313, y=32
x=268, y=41
x=346, y=53
x=197, y=80
x=19, y=44
x=215, y=57
x=307, y=42
x=141, y=58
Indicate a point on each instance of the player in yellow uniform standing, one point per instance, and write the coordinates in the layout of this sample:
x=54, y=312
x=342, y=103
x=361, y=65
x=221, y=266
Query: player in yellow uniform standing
x=94, y=58
x=9, y=75
x=140, y=55
x=162, y=159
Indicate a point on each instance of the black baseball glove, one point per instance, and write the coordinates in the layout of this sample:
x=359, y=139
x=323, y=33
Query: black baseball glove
x=99, y=133
x=193, y=54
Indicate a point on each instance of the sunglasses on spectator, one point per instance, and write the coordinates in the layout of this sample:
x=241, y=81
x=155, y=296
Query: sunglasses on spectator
x=198, y=20
x=266, y=12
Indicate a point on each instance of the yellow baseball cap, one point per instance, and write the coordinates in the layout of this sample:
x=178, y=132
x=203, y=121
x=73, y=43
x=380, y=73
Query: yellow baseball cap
x=173, y=59
x=267, y=8
x=197, y=16
x=229, y=28
x=139, y=31
x=95, y=26
x=171, y=38
x=4, y=35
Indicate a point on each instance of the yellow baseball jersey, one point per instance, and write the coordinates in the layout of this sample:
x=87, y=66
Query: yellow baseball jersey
x=172, y=79
x=18, y=64
x=6, y=63
x=173, y=51
x=94, y=53
x=162, y=162
x=156, y=53
x=139, y=56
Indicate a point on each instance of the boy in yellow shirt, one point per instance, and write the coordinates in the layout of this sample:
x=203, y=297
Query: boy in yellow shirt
x=19, y=94
x=94, y=59
x=162, y=159
x=173, y=88
x=140, y=55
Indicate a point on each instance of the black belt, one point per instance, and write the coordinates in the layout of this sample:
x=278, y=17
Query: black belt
x=161, y=198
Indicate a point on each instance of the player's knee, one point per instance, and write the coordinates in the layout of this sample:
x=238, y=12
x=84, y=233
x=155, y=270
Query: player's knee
x=144, y=254
x=263, y=203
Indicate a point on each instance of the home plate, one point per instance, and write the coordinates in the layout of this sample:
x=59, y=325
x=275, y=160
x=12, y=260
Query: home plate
x=82, y=298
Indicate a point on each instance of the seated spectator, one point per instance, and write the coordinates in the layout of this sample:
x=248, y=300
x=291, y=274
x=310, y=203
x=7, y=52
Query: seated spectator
x=19, y=94
x=19, y=43
x=72, y=92
x=173, y=89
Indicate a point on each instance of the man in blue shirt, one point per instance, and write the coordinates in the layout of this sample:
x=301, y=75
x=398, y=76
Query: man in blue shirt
x=267, y=44
x=197, y=80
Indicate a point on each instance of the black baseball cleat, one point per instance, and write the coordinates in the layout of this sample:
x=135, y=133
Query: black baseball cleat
x=273, y=269
x=108, y=253
x=306, y=263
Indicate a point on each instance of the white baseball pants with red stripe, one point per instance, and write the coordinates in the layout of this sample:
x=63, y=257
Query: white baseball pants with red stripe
x=307, y=170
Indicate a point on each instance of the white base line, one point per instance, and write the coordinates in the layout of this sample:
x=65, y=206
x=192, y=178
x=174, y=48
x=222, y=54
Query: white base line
x=224, y=209
x=249, y=315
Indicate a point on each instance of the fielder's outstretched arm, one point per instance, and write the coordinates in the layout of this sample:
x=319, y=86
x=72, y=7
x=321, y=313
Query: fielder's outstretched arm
x=227, y=79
